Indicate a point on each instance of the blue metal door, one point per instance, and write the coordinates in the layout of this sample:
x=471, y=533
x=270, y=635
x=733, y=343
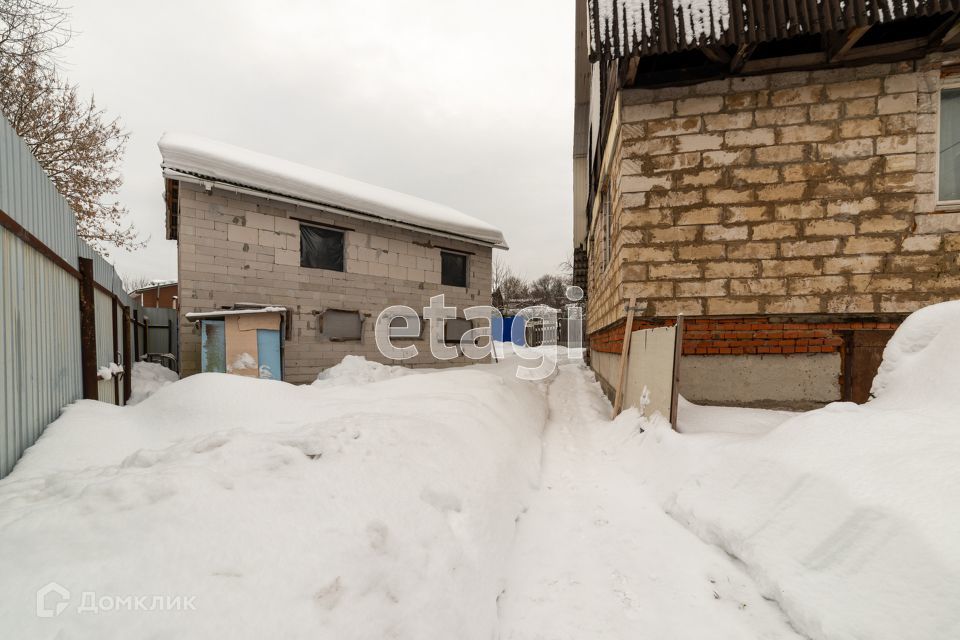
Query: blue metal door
x=517, y=330
x=497, y=323
x=268, y=349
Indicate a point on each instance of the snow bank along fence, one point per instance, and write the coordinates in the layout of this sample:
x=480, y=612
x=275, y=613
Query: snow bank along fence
x=64, y=315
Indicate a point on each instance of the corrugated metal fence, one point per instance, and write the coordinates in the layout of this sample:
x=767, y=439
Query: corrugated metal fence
x=163, y=335
x=47, y=360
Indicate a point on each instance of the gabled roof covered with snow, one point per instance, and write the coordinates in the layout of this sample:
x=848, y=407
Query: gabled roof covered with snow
x=189, y=157
x=620, y=28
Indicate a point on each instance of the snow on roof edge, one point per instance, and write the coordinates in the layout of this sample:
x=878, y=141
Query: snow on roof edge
x=153, y=285
x=205, y=158
x=197, y=315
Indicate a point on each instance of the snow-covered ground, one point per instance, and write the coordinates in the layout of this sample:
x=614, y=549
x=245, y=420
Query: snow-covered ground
x=848, y=516
x=382, y=510
x=466, y=503
x=693, y=418
x=596, y=556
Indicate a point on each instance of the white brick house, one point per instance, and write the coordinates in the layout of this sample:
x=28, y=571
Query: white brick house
x=786, y=175
x=334, y=252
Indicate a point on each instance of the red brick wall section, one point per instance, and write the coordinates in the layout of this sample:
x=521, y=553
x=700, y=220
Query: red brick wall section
x=746, y=335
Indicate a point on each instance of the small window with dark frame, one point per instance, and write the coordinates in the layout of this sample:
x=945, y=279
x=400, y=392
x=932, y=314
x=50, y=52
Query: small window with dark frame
x=321, y=248
x=453, y=269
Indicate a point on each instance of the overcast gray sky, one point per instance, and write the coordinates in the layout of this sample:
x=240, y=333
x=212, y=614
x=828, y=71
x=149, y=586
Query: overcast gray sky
x=465, y=102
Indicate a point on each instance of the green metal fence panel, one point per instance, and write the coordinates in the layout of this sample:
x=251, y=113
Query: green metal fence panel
x=104, y=317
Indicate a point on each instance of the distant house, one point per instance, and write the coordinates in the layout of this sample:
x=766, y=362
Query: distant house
x=784, y=174
x=157, y=295
x=257, y=231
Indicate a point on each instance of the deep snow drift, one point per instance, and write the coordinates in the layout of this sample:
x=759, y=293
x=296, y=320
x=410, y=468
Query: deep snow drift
x=357, y=511
x=848, y=516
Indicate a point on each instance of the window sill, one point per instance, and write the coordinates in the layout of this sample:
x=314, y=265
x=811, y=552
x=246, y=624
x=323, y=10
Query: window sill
x=947, y=207
x=302, y=266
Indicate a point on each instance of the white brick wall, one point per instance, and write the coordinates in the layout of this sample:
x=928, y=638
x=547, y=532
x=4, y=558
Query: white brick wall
x=801, y=192
x=237, y=248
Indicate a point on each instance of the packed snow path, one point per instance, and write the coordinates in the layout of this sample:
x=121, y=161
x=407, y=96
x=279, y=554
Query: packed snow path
x=596, y=556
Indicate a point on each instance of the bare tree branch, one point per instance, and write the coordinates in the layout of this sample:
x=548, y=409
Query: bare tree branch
x=74, y=141
x=500, y=271
x=32, y=30
x=132, y=283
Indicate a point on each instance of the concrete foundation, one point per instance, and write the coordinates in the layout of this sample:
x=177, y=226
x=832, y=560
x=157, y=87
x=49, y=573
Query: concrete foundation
x=607, y=368
x=799, y=381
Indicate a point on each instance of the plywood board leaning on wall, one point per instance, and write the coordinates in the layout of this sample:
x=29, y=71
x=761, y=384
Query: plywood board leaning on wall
x=652, y=384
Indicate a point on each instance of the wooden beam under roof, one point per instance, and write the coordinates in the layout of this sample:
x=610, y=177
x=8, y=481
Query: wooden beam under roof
x=632, y=65
x=948, y=33
x=899, y=50
x=716, y=54
x=744, y=51
x=848, y=41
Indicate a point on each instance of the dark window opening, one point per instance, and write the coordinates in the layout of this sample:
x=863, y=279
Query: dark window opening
x=454, y=328
x=453, y=269
x=321, y=248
